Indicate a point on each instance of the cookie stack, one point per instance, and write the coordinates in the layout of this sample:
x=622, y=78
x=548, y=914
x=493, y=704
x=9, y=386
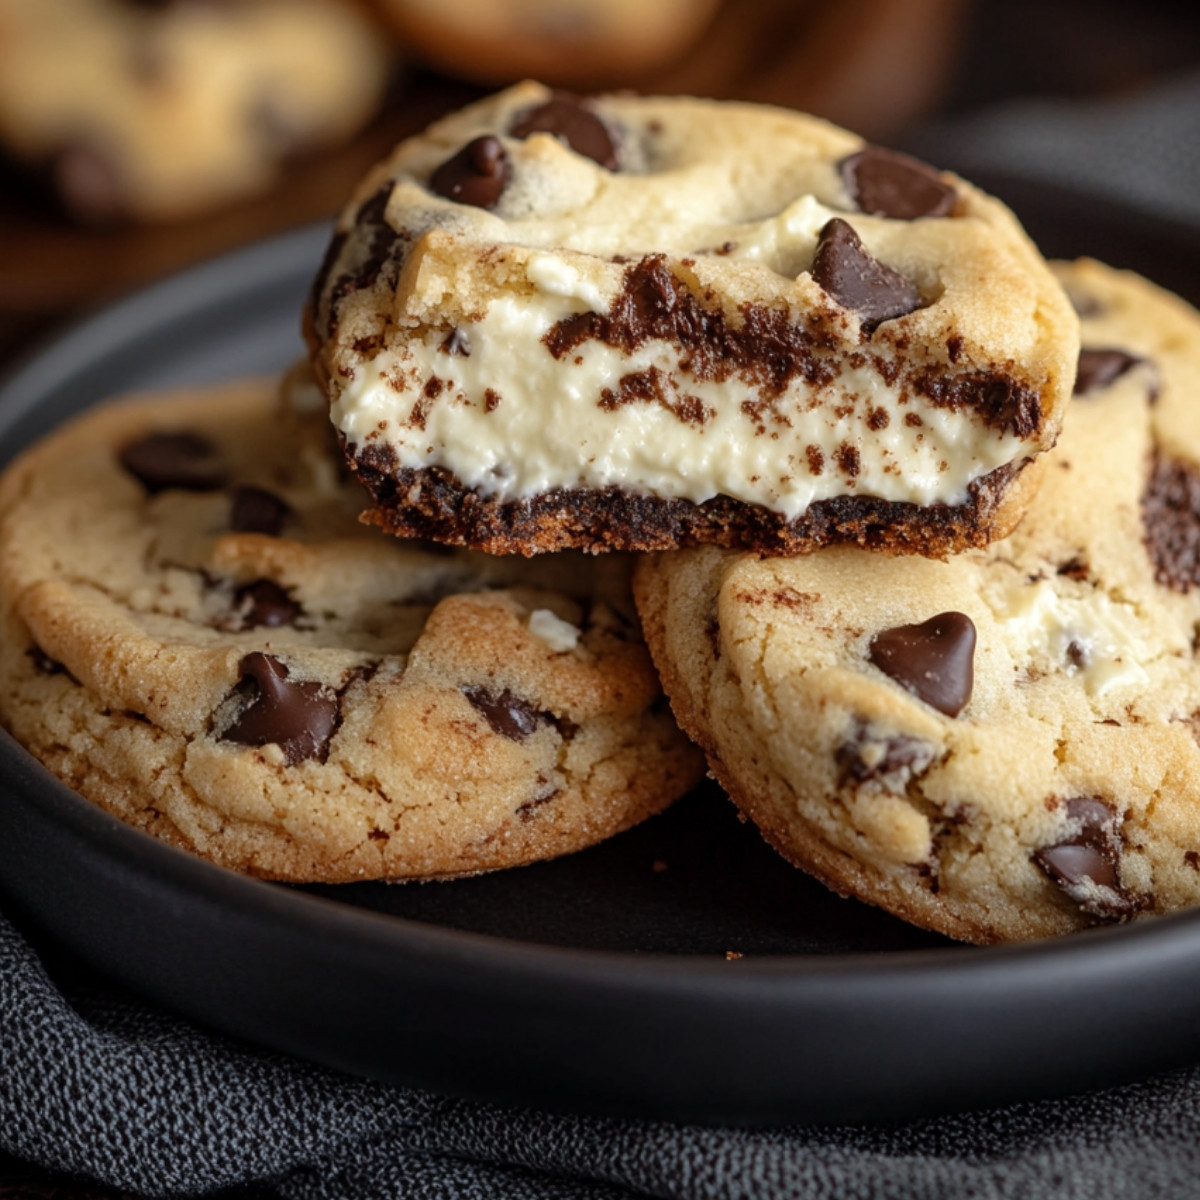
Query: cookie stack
x=931, y=625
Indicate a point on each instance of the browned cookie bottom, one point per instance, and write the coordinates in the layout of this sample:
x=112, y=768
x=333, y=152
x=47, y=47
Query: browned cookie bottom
x=431, y=503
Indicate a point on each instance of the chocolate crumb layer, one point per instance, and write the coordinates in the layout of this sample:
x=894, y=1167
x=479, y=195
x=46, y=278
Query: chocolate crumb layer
x=430, y=503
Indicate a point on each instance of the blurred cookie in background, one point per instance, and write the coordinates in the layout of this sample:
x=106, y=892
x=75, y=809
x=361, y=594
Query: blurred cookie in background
x=872, y=65
x=155, y=110
x=581, y=43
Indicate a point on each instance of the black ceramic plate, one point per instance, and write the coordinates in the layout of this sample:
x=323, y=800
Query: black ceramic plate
x=602, y=982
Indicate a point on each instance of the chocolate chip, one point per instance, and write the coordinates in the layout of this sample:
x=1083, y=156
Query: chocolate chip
x=508, y=715
x=934, y=660
x=887, y=184
x=866, y=757
x=89, y=182
x=859, y=282
x=371, y=221
x=1098, y=368
x=255, y=510
x=174, y=460
x=566, y=117
x=43, y=663
x=1085, y=305
x=546, y=792
x=298, y=717
x=376, y=244
x=476, y=175
x=1085, y=865
x=1171, y=522
x=264, y=603
x=274, y=125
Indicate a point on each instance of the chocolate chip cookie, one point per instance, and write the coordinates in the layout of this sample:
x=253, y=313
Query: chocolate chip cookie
x=200, y=637
x=1002, y=745
x=631, y=323
x=568, y=42
x=148, y=111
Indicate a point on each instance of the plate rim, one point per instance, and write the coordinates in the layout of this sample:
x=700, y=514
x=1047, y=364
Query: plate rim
x=1162, y=949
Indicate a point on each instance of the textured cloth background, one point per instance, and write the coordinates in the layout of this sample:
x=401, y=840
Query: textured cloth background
x=100, y=1084
x=94, y=1082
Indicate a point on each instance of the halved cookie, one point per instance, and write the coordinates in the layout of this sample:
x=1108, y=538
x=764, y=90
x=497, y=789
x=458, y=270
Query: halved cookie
x=638, y=323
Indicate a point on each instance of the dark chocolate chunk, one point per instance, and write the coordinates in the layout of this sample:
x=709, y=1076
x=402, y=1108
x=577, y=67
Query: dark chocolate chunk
x=174, y=460
x=299, y=717
x=264, y=603
x=255, y=510
x=546, y=792
x=476, y=175
x=89, y=183
x=43, y=663
x=865, y=757
x=376, y=245
x=567, y=117
x=934, y=660
x=1085, y=866
x=1085, y=305
x=1171, y=522
x=508, y=715
x=859, y=282
x=887, y=184
x=1100, y=367
x=276, y=127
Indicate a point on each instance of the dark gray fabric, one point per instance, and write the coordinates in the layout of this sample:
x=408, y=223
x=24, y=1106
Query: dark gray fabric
x=100, y=1084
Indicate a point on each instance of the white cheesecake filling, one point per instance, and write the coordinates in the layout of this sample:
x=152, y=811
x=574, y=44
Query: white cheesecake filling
x=511, y=421
x=1101, y=641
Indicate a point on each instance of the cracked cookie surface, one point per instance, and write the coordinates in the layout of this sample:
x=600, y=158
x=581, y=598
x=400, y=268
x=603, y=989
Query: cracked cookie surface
x=200, y=637
x=636, y=323
x=1002, y=745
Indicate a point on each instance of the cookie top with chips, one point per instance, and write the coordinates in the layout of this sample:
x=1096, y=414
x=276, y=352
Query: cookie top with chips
x=636, y=322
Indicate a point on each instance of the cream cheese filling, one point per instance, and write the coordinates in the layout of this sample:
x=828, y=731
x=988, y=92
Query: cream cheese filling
x=511, y=421
x=1099, y=640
